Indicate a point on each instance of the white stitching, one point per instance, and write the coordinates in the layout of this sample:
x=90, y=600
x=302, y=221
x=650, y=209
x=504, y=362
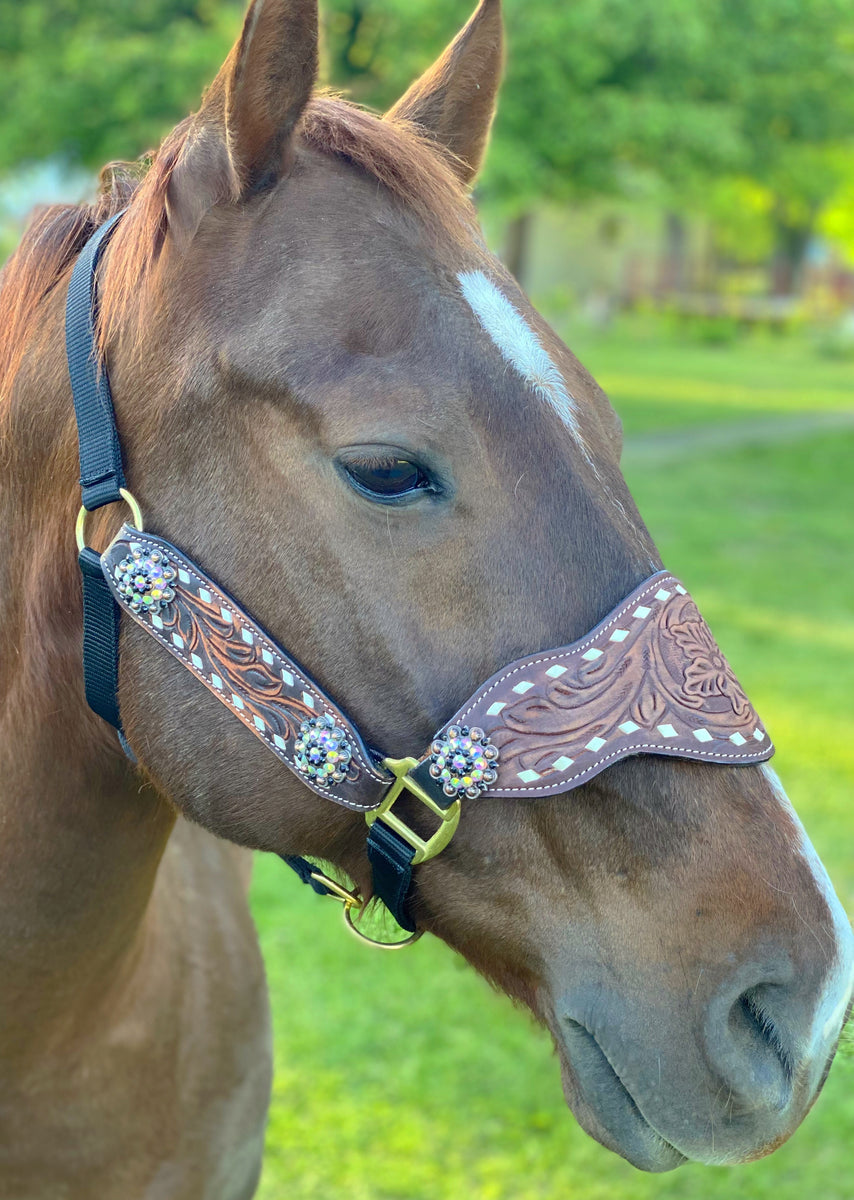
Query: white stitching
x=692, y=751
x=526, y=664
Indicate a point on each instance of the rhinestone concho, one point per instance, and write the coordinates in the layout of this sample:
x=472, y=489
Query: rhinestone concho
x=463, y=760
x=322, y=751
x=144, y=580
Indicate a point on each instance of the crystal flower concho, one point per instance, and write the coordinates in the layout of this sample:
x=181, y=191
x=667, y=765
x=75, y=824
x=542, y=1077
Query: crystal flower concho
x=463, y=761
x=145, y=580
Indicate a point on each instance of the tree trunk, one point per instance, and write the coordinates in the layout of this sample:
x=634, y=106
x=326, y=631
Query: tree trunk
x=517, y=245
x=787, y=262
x=673, y=275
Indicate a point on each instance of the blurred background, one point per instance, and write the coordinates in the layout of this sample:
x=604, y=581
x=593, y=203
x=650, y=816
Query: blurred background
x=673, y=183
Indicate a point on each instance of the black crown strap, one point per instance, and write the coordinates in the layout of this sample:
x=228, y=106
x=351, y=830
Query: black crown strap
x=101, y=471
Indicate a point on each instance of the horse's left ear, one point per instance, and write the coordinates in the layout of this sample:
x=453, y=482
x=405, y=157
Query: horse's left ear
x=455, y=100
x=240, y=141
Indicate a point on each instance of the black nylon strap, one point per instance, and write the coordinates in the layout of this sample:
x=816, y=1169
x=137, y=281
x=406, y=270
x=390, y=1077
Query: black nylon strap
x=391, y=863
x=101, y=616
x=101, y=477
x=306, y=870
x=101, y=472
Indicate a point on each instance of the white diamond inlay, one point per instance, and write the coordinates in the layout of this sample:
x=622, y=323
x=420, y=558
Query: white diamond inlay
x=267, y=657
x=737, y=739
x=205, y=595
x=681, y=590
x=593, y=654
x=178, y=641
x=259, y=724
x=619, y=635
x=641, y=612
x=556, y=671
x=236, y=701
x=595, y=744
x=246, y=634
x=196, y=661
x=560, y=764
x=307, y=699
x=216, y=681
x=156, y=622
x=524, y=686
x=280, y=742
x=667, y=731
x=759, y=735
x=288, y=678
x=183, y=576
x=662, y=594
x=226, y=615
x=528, y=776
x=702, y=735
x=495, y=709
x=629, y=727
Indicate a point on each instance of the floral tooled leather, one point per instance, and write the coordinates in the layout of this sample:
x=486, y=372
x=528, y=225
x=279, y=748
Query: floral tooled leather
x=237, y=661
x=649, y=679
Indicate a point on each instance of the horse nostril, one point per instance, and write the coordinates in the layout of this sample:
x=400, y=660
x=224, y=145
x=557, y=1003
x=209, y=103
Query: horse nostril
x=756, y=1007
x=750, y=1043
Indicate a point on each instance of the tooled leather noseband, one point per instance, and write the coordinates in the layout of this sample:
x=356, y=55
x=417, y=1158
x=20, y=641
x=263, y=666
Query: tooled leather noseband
x=648, y=679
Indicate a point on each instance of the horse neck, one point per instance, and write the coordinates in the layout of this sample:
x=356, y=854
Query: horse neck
x=81, y=840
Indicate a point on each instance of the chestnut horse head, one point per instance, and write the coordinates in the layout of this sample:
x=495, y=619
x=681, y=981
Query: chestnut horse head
x=333, y=397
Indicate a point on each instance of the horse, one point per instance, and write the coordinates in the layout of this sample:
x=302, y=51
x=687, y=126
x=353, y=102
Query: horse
x=331, y=394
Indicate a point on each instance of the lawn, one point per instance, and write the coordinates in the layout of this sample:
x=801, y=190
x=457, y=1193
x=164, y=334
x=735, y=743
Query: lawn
x=403, y=1077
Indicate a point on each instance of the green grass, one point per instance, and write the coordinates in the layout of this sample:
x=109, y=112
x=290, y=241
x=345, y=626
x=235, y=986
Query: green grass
x=660, y=382
x=403, y=1077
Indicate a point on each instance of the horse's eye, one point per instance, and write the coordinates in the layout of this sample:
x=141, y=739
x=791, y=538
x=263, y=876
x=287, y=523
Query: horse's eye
x=387, y=478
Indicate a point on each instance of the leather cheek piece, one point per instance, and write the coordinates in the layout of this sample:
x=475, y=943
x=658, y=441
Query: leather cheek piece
x=240, y=664
x=649, y=679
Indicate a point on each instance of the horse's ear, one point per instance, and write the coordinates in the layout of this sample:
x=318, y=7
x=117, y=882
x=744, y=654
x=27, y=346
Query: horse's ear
x=241, y=139
x=455, y=100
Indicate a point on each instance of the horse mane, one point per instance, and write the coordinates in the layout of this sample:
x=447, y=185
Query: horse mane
x=398, y=155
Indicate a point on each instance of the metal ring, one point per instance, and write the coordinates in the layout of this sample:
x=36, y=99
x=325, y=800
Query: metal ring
x=357, y=933
x=130, y=501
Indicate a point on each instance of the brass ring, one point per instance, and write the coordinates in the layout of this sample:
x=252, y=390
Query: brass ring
x=357, y=933
x=135, y=512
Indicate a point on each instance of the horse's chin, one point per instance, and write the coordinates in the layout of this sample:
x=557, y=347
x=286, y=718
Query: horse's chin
x=604, y=1107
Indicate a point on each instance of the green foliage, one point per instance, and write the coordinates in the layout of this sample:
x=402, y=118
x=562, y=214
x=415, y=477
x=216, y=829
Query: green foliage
x=402, y=1076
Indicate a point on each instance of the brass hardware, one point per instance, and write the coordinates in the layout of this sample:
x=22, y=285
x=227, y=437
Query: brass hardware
x=369, y=941
x=135, y=512
x=450, y=816
x=350, y=901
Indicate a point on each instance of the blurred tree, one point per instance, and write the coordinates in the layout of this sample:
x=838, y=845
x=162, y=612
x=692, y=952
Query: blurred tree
x=647, y=99
x=651, y=99
x=93, y=80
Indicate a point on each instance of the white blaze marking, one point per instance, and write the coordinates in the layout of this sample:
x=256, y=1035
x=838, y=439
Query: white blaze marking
x=519, y=345
x=840, y=982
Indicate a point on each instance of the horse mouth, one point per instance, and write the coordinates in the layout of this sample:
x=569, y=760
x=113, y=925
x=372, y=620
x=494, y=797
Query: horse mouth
x=603, y=1105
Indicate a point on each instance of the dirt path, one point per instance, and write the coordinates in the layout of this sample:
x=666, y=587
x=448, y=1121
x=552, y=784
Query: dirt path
x=658, y=449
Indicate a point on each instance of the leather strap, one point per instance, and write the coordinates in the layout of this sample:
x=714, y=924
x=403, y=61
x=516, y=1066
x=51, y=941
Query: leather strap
x=648, y=679
x=238, y=662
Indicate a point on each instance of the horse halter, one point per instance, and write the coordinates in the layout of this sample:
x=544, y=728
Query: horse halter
x=648, y=679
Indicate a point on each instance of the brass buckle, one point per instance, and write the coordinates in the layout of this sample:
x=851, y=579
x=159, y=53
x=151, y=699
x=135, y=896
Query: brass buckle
x=130, y=501
x=352, y=907
x=450, y=816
